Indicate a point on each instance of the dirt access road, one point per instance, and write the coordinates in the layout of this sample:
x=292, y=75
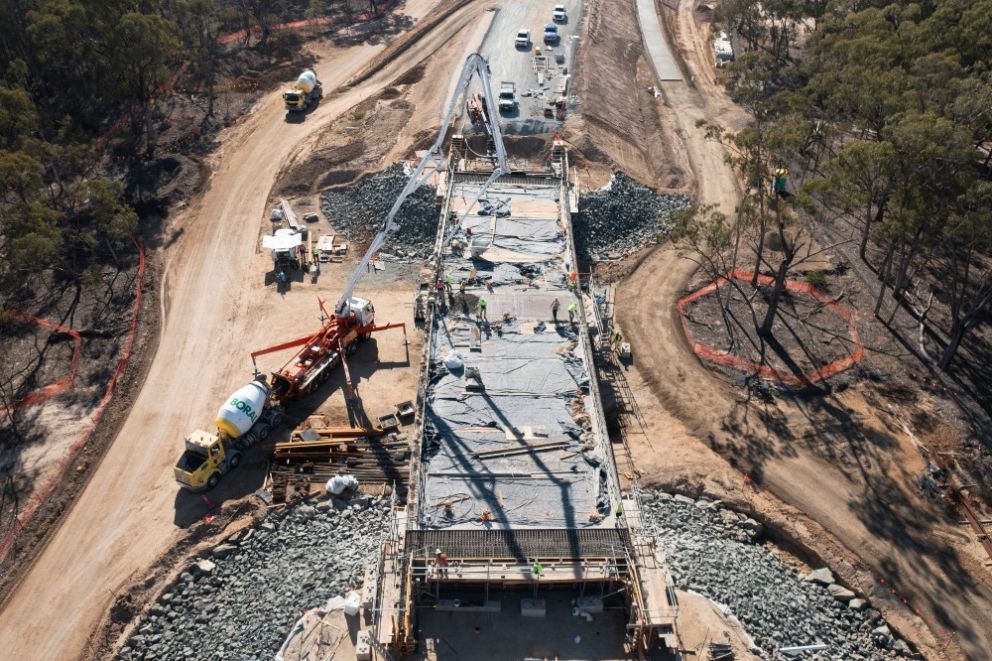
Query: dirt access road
x=126, y=516
x=868, y=519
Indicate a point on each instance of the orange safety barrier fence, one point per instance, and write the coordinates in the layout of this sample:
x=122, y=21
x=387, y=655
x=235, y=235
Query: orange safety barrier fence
x=43, y=493
x=63, y=384
x=765, y=371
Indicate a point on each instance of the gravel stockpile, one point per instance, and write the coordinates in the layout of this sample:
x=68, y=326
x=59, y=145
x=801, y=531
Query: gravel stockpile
x=622, y=218
x=240, y=600
x=712, y=551
x=359, y=213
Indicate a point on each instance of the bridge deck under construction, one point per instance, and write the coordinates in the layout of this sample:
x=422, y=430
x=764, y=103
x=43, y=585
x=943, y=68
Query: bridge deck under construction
x=514, y=480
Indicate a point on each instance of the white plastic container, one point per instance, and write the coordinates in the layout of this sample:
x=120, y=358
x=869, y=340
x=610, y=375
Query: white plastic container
x=352, y=604
x=241, y=410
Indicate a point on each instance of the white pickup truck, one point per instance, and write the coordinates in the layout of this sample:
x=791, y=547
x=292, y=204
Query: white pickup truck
x=523, y=38
x=507, y=96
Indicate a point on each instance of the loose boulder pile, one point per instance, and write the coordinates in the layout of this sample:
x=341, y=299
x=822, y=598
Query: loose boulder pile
x=622, y=218
x=713, y=551
x=241, y=598
x=359, y=212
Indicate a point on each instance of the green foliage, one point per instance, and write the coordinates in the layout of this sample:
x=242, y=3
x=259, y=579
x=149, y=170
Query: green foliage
x=816, y=278
x=17, y=116
x=144, y=47
x=20, y=176
x=113, y=218
x=33, y=238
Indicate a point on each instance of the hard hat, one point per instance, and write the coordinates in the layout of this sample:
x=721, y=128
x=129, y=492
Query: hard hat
x=438, y=552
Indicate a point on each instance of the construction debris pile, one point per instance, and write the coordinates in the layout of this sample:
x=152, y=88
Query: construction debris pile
x=714, y=551
x=358, y=213
x=622, y=218
x=240, y=599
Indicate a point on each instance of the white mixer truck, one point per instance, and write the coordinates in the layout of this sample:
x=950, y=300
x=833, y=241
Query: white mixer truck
x=246, y=418
x=306, y=91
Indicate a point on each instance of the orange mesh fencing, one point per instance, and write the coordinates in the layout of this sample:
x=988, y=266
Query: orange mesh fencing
x=45, y=491
x=63, y=384
x=714, y=355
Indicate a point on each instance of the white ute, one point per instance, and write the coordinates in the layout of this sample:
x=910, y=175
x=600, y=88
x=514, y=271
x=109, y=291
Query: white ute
x=558, y=14
x=523, y=39
x=507, y=96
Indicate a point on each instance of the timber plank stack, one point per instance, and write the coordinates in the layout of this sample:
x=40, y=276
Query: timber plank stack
x=317, y=453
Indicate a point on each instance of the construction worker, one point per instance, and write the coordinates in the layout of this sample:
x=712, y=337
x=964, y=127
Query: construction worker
x=573, y=311
x=538, y=568
x=489, y=286
x=555, y=304
x=447, y=282
x=441, y=559
x=617, y=339
x=441, y=289
x=482, y=309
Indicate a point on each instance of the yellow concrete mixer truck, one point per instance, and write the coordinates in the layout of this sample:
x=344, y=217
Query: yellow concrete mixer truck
x=246, y=418
x=306, y=91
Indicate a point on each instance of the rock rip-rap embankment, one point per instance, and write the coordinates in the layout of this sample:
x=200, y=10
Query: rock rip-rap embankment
x=715, y=551
x=359, y=212
x=240, y=599
x=622, y=217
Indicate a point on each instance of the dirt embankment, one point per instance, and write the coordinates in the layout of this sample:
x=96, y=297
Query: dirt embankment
x=618, y=126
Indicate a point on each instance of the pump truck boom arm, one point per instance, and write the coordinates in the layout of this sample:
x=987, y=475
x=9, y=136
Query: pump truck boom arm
x=300, y=341
x=474, y=64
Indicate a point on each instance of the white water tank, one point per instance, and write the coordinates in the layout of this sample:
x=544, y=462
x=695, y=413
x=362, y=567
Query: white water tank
x=307, y=81
x=242, y=409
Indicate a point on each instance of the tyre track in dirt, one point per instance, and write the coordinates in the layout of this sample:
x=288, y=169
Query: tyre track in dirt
x=646, y=299
x=127, y=516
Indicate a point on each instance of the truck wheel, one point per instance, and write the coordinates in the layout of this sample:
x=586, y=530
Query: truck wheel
x=235, y=459
x=214, y=479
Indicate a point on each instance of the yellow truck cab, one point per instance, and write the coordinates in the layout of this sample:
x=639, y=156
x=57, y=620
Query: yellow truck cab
x=245, y=418
x=206, y=458
x=306, y=91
